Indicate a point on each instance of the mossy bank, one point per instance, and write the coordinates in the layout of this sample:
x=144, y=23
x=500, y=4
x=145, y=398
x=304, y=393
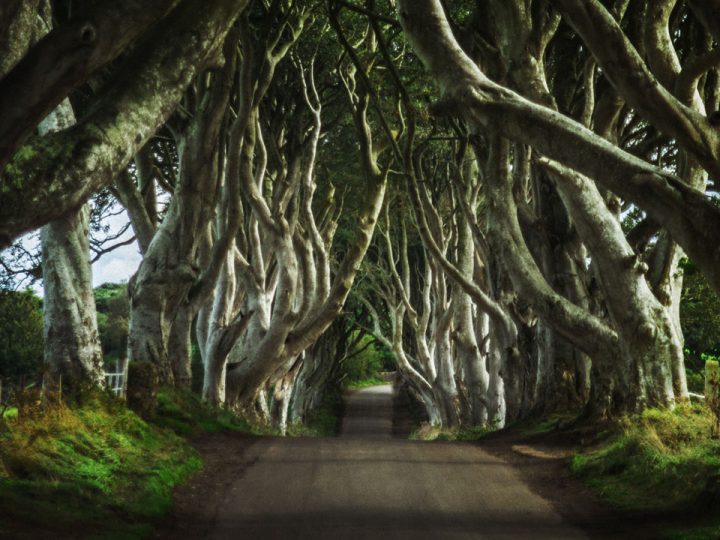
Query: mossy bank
x=660, y=461
x=97, y=470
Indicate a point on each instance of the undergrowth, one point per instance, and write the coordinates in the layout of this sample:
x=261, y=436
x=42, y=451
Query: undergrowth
x=659, y=460
x=186, y=414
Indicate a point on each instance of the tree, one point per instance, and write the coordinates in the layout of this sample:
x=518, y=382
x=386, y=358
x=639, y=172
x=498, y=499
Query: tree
x=640, y=329
x=113, y=312
x=667, y=198
x=505, y=274
x=21, y=337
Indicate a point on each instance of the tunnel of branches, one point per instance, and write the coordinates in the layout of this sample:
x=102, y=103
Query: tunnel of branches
x=503, y=195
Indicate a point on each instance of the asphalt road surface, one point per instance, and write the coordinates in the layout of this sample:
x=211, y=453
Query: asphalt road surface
x=367, y=485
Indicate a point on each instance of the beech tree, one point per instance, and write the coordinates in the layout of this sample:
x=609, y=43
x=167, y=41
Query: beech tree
x=664, y=196
x=301, y=298
x=527, y=258
x=71, y=343
x=637, y=351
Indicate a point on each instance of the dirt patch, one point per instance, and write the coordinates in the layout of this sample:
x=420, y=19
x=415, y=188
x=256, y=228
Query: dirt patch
x=196, y=502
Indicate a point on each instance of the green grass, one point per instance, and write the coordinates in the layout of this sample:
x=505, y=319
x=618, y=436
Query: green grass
x=187, y=415
x=98, y=467
x=660, y=460
x=364, y=383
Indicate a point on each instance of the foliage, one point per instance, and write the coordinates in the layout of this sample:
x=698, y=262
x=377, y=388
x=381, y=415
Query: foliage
x=113, y=315
x=699, y=316
x=700, y=319
x=370, y=381
x=21, y=336
x=712, y=391
x=695, y=380
x=106, y=293
x=363, y=365
x=98, y=465
x=660, y=459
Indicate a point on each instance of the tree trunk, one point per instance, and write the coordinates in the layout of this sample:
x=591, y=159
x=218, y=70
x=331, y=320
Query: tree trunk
x=73, y=354
x=180, y=348
x=213, y=391
x=72, y=343
x=149, y=330
x=160, y=288
x=469, y=356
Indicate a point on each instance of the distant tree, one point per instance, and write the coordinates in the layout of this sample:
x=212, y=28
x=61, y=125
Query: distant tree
x=700, y=314
x=113, y=313
x=366, y=360
x=21, y=336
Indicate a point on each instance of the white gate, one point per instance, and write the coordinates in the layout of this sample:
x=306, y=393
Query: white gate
x=115, y=380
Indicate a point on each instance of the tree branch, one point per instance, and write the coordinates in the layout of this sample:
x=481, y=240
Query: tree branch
x=55, y=174
x=64, y=59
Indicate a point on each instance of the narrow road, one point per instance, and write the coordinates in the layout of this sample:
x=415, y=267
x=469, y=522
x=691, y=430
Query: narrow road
x=366, y=485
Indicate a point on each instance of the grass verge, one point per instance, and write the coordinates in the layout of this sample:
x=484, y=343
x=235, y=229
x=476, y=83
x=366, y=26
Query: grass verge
x=184, y=413
x=660, y=460
x=364, y=383
x=97, y=470
x=432, y=432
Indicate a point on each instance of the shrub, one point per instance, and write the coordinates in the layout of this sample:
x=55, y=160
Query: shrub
x=113, y=315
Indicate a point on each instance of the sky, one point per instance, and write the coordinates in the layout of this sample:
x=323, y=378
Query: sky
x=115, y=267
x=120, y=264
